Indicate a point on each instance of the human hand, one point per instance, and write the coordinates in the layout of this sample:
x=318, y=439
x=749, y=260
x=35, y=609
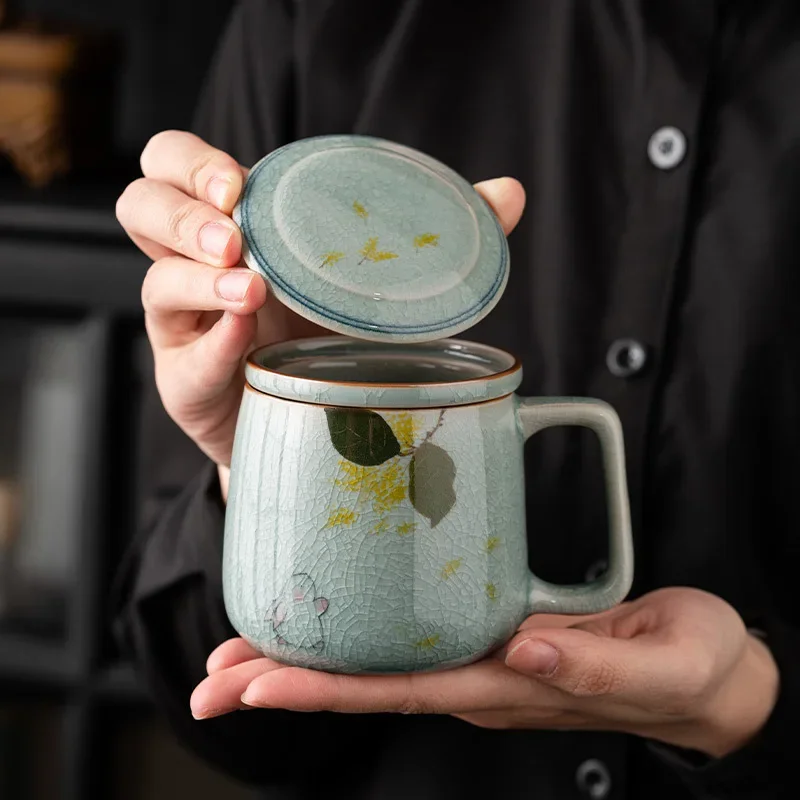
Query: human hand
x=202, y=304
x=204, y=309
x=676, y=665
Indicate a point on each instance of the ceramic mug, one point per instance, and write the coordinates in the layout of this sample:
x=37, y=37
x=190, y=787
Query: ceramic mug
x=376, y=517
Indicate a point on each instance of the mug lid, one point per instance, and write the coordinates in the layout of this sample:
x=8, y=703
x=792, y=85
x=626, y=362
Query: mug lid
x=372, y=239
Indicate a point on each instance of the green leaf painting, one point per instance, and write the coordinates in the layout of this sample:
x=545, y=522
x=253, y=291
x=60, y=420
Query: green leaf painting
x=387, y=464
x=430, y=488
x=361, y=436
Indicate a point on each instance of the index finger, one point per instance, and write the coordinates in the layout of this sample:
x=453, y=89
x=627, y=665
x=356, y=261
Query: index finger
x=199, y=170
x=481, y=686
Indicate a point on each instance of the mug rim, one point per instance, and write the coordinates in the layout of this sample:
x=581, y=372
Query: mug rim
x=500, y=381
x=253, y=390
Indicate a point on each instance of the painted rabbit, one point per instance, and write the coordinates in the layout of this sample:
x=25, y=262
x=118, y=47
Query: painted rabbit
x=296, y=614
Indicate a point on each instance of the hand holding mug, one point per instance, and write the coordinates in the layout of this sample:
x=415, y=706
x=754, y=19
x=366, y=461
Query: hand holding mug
x=676, y=666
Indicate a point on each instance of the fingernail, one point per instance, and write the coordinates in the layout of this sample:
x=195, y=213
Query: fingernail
x=533, y=656
x=249, y=701
x=205, y=713
x=214, y=238
x=217, y=192
x=227, y=318
x=234, y=285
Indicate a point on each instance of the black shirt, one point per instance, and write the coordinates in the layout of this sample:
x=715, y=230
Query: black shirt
x=657, y=267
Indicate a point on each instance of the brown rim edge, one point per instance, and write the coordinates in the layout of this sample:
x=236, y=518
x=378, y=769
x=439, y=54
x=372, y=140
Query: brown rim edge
x=389, y=409
x=516, y=366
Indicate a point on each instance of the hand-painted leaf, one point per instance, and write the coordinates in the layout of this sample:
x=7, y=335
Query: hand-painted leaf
x=369, y=249
x=430, y=489
x=450, y=568
x=370, y=252
x=426, y=240
x=341, y=516
x=404, y=528
x=360, y=210
x=360, y=436
x=331, y=258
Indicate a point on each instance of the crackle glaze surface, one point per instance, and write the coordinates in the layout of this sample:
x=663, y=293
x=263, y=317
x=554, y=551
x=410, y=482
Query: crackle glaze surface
x=329, y=563
x=383, y=539
x=371, y=238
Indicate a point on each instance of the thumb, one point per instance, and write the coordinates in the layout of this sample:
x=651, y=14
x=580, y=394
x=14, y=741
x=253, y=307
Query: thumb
x=581, y=663
x=506, y=197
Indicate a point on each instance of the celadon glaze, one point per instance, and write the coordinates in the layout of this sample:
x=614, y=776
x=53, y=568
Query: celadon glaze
x=387, y=539
x=371, y=238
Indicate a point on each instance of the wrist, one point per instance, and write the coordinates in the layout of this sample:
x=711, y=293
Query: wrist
x=735, y=713
x=743, y=704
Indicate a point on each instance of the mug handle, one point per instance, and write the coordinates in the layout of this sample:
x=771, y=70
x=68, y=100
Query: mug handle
x=536, y=414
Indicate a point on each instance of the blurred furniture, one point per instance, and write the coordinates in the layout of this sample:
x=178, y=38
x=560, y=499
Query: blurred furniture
x=75, y=723
x=56, y=89
x=73, y=360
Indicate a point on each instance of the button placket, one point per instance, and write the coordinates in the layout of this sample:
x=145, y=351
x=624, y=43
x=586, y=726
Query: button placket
x=653, y=239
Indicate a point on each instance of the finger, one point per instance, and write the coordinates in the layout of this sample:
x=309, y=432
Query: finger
x=476, y=687
x=506, y=196
x=229, y=654
x=221, y=692
x=193, y=166
x=176, y=288
x=644, y=671
x=162, y=214
x=558, y=719
x=213, y=361
x=562, y=620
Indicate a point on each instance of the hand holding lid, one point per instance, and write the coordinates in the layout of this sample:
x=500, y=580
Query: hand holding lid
x=372, y=239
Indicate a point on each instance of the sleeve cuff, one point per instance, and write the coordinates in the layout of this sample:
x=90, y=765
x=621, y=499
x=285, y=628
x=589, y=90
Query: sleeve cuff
x=761, y=769
x=185, y=542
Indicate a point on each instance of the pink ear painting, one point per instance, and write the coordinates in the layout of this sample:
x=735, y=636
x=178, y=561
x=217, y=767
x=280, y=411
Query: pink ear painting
x=321, y=605
x=296, y=613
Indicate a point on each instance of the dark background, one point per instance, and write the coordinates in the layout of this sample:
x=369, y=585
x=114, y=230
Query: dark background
x=74, y=721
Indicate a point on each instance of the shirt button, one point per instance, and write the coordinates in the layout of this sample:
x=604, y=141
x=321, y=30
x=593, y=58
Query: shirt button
x=666, y=148
x=626, y=357
x=593, y=779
